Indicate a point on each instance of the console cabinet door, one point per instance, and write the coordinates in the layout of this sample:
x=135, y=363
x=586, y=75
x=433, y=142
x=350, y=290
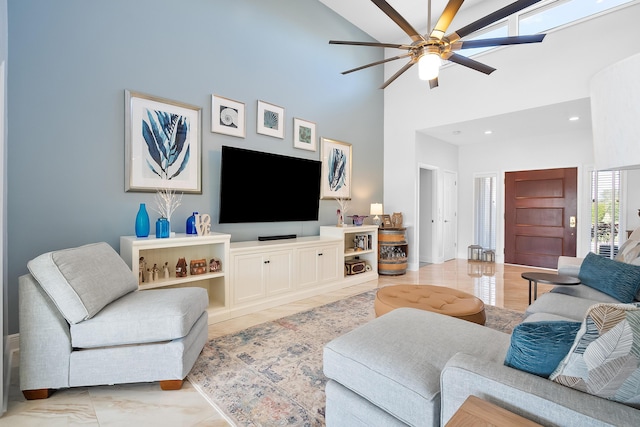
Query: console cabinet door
x=306, y=263
x=317, y=265
x=329, y=266
x=248, y=282
x=278, y=272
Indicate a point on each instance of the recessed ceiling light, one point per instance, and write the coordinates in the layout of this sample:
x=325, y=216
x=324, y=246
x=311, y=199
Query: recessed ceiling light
x=488, y=132
x=574, y=118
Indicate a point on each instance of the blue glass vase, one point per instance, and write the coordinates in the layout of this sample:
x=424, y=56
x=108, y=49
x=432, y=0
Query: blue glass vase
x=162, y=228
x=191, y=224
x=142, y=222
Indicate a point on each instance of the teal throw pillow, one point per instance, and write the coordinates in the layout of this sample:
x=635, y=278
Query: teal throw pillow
x=538, y=347
x=615, y=278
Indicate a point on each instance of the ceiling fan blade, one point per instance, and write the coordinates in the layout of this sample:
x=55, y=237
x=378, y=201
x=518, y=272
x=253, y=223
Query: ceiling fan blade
x=491, y=18
x=398, y=74
x=433, y=83
x=471, y=63
x=398, y=19
x=499, y=41
x=397, y=46
x=376, y=63
x=445, y=19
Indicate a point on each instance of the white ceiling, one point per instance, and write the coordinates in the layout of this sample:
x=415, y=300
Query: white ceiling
x=539, y=121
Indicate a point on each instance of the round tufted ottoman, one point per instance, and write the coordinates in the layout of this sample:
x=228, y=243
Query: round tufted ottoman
x=437, y=299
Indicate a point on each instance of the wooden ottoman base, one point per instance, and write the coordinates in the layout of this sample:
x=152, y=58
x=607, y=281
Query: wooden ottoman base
x=438, y=299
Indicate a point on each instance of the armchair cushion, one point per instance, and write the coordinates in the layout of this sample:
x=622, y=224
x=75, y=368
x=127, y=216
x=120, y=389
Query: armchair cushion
x=83, y=280
x=142, y=317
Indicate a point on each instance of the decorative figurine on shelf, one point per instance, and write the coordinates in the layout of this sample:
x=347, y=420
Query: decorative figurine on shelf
x=142, y=269
x=198, y=266
x=181, y=268
x=344, y=204
x=165, y=270
x=154, y=271
x=149, y=275
x=203, y=224
x=215, y=265
x=396, y=219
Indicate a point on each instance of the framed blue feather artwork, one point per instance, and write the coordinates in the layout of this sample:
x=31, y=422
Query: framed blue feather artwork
x=162, y=144
x=336, y=169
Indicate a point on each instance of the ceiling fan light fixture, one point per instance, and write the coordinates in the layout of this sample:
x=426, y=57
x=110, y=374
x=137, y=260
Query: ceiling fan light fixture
x=429, y=66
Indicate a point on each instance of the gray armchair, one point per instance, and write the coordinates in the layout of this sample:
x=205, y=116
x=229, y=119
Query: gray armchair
x=84, y=322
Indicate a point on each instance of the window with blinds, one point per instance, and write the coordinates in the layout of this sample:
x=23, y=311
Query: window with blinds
x=485, y=208
x=605, y=212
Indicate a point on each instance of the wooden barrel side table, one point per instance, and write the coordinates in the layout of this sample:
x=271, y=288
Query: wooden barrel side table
x=393, y=251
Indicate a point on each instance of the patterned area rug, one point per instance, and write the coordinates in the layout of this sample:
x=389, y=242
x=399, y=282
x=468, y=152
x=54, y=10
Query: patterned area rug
x=271, y=374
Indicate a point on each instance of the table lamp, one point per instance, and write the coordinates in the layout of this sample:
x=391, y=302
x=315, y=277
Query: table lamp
x=376, y=209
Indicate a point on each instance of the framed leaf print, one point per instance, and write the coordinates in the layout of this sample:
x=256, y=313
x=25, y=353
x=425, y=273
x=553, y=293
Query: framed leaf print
x=227, y=116
x=270, y=120
x=162, y=144
x=304, y=134
x=336, y=169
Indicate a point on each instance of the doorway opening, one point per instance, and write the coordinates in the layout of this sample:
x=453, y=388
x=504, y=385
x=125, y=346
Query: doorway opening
x=605, y=212
x=486, y=216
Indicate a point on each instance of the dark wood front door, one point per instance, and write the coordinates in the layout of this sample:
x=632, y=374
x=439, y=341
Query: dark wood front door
x=540, y=216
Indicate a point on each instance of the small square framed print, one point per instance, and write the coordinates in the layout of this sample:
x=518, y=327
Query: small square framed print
x=304, y=134
x=270, y=120
x=227, y=116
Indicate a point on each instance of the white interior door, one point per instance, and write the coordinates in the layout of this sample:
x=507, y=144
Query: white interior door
x=450, y=215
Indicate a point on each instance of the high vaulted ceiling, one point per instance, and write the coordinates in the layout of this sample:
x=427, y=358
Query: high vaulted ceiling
x=369, y=18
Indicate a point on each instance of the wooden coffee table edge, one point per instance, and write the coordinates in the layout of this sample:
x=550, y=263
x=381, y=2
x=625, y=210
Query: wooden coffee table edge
x=478, y=412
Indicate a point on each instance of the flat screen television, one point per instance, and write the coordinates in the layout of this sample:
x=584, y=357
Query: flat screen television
x=264, y=187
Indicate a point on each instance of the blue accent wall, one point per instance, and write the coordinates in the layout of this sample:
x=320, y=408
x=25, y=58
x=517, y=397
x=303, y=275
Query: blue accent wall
x=70, y=62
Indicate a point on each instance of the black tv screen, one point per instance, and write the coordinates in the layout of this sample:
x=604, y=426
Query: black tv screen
x=265, y=187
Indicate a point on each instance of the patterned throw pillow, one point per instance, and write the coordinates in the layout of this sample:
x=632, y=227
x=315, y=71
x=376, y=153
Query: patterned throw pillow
x=604, y=358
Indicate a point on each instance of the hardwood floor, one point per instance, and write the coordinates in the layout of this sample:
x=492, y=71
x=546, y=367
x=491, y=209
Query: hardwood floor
x=145, y=404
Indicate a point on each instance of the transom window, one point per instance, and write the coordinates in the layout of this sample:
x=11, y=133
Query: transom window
x=542, y=17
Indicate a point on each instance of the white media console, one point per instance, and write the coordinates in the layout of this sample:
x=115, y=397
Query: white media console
x=256, y=275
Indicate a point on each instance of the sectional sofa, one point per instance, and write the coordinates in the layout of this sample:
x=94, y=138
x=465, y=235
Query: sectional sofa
x=413, y=367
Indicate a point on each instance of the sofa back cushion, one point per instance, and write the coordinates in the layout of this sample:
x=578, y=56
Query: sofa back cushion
x=618, y=279
x=81, y=281
x=604, y=358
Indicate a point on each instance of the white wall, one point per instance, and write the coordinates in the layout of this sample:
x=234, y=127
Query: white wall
x=557, y=70
x=632, y=183
x=614, y=107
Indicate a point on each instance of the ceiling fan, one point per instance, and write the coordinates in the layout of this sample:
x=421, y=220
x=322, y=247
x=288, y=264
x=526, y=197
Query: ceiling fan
x=429, y=50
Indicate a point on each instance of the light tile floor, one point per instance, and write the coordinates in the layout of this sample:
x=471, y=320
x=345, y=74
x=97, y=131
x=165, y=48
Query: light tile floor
x=145, y=404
